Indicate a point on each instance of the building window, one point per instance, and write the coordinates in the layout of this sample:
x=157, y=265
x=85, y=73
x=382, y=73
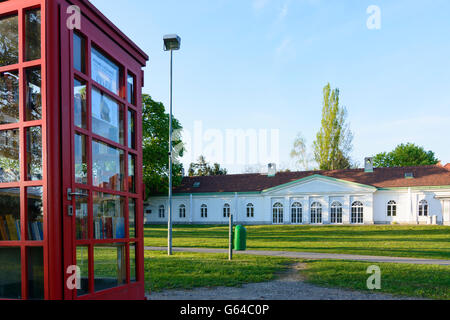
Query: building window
x=250, y=211
x=336, y=213
x=423, y=208
x=278, y=213
x=226, y=211
x=392, y=209
x=204, y=211
x=297, y=213
x=162, y=212
x=182, y=211
x=316, y=213
x=357, y=213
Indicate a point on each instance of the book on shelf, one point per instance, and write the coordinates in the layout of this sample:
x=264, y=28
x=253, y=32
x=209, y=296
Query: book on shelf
x=109, y=228
x=10, y=229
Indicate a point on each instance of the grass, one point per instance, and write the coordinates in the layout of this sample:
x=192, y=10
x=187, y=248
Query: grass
x=432, y=242
x=422, y=281
x=194, y=270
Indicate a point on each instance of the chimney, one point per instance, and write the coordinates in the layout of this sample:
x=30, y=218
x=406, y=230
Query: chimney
x=272, y=170
x=368, y=165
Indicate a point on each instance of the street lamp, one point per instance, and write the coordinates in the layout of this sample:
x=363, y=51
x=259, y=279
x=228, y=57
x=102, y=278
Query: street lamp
x=171, y=42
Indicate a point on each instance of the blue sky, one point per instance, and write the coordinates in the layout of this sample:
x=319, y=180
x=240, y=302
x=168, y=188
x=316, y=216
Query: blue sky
x=262, y=64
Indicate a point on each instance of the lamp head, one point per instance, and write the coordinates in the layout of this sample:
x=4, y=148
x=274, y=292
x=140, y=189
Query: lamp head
x=172, y=42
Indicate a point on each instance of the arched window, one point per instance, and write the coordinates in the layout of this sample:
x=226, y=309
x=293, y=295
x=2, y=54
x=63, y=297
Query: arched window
x=297, y=213
x=392, y=209
x=336, y=212
x=250, y=210
x=182, y=210
x=162, y=212
x=204, y=211
x=357, y=213
x=226, y=211
x=278, y=213
x=423, y=208
x=316, y=213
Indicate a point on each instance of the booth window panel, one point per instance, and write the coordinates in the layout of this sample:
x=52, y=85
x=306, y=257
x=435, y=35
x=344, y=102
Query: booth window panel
x=108, y=166
x=10, y=224
x=80, y=110
x=9, y=40
x=79, y=53
x=10, y=273
x=33, y=35
x=107, y=117
x=131, y=129
x=131, y=89
x=34, y=153
x=81, y=166
x=133, y=277
x=34, y=96
x=9, y=97
x=105, y=72
x=35, y=212
x=131, y=173
x=109, y=218
x=9, y=156
x=132, y=218
x=35, y=270
x=83, y=264
x=82, y=216
x=109, y=266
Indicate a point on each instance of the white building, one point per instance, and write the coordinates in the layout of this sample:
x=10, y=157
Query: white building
x=414, y=195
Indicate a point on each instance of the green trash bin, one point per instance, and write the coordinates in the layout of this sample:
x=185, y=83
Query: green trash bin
x=240, y=238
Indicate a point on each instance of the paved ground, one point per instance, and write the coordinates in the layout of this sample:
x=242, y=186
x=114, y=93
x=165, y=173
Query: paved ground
x=289, y=286
x=315, y=256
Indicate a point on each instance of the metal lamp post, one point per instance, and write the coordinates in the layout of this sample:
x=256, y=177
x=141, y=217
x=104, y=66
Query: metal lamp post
x=171, y=42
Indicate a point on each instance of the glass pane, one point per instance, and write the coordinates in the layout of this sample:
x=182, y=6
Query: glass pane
x=107, y=117
x=130, y=89
x=109, y=266
x=105, y=72
x=10, y=214
x=33, y=35
x=9, y=156
x=81, y=213
x=10, y=273
x=35, y=207
x=79, y=53
x=131, y=173
x=81, y=167
x=79, y=94
x=9, y=97
x=35, y=273
x=34, y=97
x=108, y=166
x=133, y=262
x=131, y=130
x=34, y=154
x=132, y=218
x=9, y=40
x=83, y=264
x=109, y=221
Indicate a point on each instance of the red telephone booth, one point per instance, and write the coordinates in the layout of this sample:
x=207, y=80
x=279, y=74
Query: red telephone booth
x=71, y=192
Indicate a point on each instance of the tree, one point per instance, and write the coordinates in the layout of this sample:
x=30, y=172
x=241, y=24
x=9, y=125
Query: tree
x=156, y=147
x=300, y=153
x=202, y=168
x=334, y=140
x=405, y=155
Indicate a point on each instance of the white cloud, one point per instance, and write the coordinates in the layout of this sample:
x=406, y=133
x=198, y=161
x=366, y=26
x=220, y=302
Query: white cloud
x=284, y=45
x=260, y=4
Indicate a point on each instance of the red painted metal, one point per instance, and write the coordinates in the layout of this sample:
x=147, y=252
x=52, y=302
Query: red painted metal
x=57, y=74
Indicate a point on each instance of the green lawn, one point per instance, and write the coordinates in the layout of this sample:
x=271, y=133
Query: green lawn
x=194, y=270
x=420, y=281
x=431, y=242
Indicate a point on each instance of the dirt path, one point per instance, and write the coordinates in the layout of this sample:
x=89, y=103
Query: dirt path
x=290, y=285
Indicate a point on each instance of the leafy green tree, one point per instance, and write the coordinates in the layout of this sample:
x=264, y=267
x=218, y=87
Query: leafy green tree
x=202, y=168
x=334, y=140
x=405, y=155
x=156, y=147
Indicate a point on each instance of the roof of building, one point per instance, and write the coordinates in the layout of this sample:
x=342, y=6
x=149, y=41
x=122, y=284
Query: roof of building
x=447, y=166
x=381, y=178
